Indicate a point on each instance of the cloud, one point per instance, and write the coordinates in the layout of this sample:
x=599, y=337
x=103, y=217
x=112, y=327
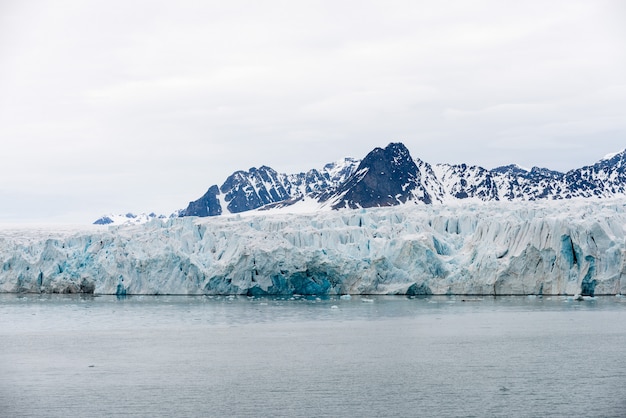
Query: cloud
x=134, y=99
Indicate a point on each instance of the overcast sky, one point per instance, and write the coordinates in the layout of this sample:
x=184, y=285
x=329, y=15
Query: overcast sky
x=116, y=106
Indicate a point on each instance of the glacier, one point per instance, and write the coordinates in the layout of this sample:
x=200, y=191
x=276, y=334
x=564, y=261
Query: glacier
x=489, y=248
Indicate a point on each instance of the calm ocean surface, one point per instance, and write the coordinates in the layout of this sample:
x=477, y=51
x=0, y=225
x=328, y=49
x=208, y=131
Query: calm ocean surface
x=73, y=356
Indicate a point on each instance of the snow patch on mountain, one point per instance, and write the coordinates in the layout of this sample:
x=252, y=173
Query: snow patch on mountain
x=613, y=154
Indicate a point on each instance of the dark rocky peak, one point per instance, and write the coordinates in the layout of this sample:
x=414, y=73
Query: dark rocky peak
x=615, y=162
x=253, y=175
x=614, y=158
x=463, y=181
x=511, y=169
x=605, y=178
x=207, y=205
x=392, y=161
x=545, y=172
x=104, y=220
x=255, y=188
x=386, y=177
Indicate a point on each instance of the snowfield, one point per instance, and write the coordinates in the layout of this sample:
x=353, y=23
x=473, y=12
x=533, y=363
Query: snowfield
x=565, y=247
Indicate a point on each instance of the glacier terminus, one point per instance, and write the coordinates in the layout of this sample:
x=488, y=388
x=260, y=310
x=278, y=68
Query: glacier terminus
x=564, y=247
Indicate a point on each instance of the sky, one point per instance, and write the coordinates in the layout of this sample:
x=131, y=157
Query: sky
x=117, y=106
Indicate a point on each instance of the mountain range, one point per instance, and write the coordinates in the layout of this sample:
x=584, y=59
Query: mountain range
x=391, y=176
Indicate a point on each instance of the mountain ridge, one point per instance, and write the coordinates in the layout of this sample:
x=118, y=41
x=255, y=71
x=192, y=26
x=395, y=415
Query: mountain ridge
x=390, y=176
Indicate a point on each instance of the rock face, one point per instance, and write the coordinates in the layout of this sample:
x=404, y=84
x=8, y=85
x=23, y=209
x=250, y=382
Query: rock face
x=466, y=182
x=207, y=205
x=385, y=177
x=550, y=248
x=248, y=190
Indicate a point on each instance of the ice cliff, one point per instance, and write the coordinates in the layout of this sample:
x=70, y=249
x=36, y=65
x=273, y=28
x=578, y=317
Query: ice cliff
x=566, y=247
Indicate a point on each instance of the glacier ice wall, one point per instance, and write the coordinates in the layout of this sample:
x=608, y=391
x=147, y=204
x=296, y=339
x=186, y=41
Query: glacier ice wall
x=490, y=248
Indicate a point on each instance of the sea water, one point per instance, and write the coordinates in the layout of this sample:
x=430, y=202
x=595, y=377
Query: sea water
x=84, y=356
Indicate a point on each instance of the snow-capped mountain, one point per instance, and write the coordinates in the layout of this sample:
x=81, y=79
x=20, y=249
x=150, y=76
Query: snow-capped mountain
x=463, y=182
x=605, y=179
x=385, y=177
x=391, y=176
x=248, y=190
